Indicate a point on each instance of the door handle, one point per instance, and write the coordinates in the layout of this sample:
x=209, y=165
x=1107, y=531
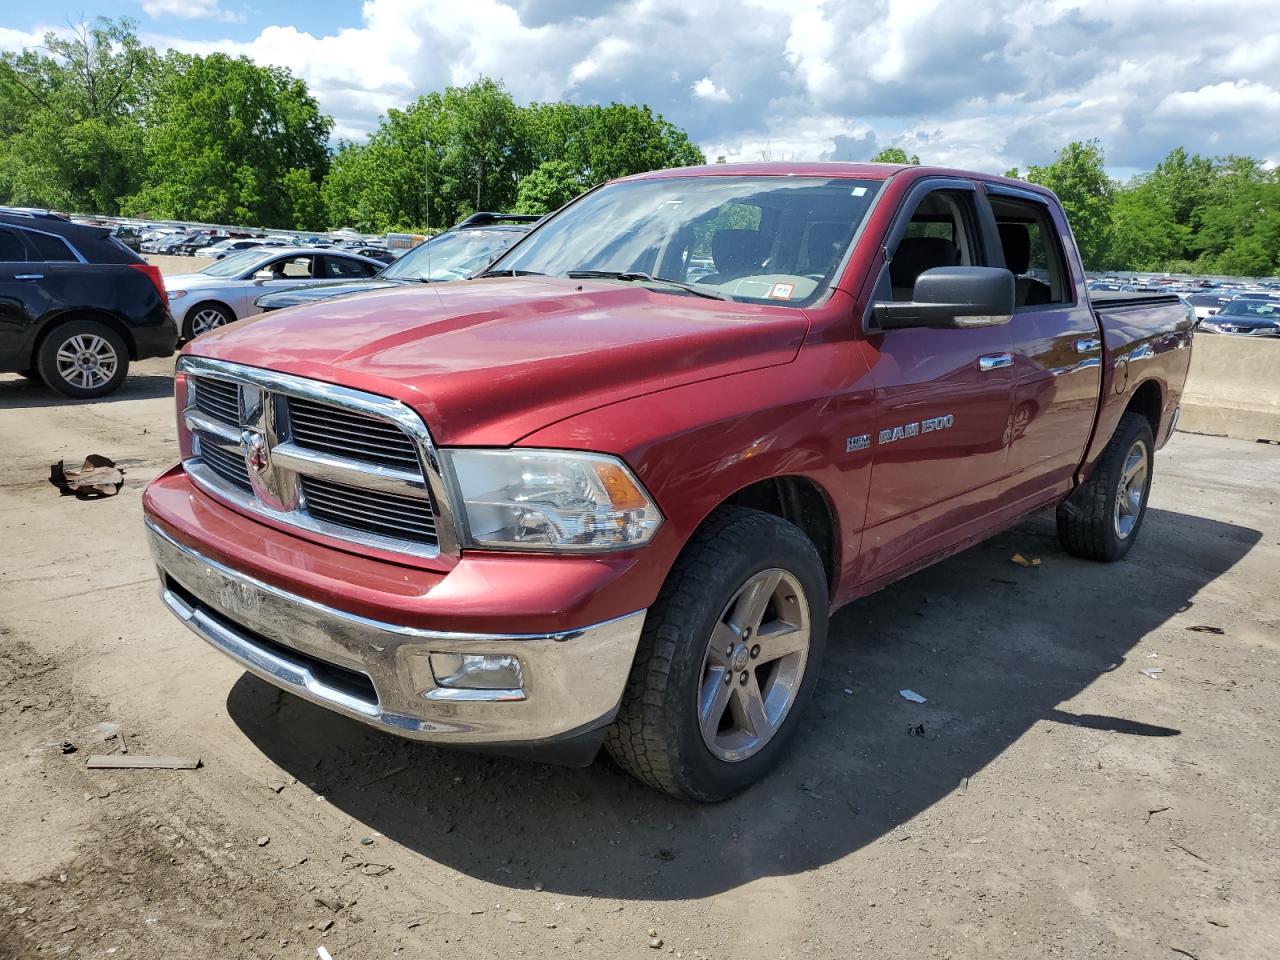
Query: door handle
x=1088, y=345
x=994, y=361
x=28, y=276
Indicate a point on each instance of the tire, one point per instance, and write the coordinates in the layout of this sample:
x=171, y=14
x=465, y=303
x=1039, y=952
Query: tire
x=83, y=359
x=678, y=675
x=1102, y=518
x=32, y=374
x=204, y=317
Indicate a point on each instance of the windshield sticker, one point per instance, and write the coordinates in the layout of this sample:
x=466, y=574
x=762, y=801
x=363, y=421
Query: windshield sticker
x=859, y=191
x=782, y=291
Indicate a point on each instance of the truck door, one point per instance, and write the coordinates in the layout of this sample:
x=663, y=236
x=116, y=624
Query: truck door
x=943, y=396
x=1059, y=363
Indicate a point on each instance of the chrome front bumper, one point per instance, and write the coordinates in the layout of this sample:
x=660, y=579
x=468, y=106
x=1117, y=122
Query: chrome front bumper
x=380, y=673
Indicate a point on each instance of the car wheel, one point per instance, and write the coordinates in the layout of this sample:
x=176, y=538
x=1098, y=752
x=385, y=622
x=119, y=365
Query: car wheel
x=83, y=359
x=32, y=374
x=729, y=656
x=204, y=317
x=1101, y=520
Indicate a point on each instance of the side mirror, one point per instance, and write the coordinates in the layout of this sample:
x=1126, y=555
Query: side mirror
x=953, y=297
x=264, y=275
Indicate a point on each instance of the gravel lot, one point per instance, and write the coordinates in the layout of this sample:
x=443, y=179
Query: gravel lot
x=1049, y=800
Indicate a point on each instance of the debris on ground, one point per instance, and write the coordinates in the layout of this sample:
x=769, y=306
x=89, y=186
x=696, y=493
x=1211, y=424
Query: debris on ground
x=68, y=746
x=1152, y=672
x=276, y=784
x=140, y=762
x=1022, y=561
x=330, y=900
x=912, y=696
x=324, y=925
x=323, y=954
x=916, y=731
x=1152, y=813
x=1202, y=628
x=98, y=477
x=655, y=941
x=263, y=841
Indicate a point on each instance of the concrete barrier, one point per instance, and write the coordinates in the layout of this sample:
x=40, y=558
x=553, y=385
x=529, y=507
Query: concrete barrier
x=1233, y=388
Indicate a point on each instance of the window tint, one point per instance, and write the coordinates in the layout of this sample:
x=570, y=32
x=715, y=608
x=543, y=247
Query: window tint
x=941, y=233
x=341, y=267
x=11, y=248
x=1032, y=251
x=50, y=249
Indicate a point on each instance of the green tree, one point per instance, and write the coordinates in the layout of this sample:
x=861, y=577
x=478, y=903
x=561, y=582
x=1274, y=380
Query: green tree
x=895, y=155
x=553, y=184
x=1077, y=176
x=232, y=142
x=70, y=112
x=604, y=142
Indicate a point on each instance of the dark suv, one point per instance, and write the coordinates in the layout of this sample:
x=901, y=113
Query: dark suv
x=76, y=305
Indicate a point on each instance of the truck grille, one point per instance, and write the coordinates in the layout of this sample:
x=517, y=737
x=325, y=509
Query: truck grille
x=229, y=466
x=320, y=426
x=327, y=459
x=219, y=399
x=386, y=514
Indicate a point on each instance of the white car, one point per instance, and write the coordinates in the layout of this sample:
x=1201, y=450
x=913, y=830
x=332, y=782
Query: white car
x=216, y=251
x=224, y=291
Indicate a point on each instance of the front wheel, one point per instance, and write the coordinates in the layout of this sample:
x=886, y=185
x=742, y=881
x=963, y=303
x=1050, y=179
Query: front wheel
x=1101, y=520
x=205, y=317
x=729, y=656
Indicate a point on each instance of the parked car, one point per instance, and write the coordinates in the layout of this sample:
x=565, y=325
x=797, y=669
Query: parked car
x=456, y=254
x=131, y=237
x=1245, y=316
x=218, y=250
x=192, y=245
x=591, y=501
x=76, y=305
x=377, y=253
x=1207, y=303
x=225, y=290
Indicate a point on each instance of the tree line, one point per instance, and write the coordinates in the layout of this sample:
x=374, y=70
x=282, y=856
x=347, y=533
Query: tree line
x=96, y=122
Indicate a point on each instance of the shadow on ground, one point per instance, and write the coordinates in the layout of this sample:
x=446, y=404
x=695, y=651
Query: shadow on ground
x=20, y=393
x=994, y=647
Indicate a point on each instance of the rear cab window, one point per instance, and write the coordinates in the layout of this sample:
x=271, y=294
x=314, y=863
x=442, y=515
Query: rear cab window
x=1033, y=252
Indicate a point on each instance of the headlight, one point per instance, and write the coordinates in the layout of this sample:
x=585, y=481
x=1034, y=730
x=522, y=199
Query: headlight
x=550, y=500
x=177, y=294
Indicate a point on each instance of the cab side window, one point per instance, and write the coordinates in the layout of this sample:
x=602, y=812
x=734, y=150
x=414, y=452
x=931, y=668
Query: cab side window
x=11, y=247
x=1033, y=251
x=942, y=233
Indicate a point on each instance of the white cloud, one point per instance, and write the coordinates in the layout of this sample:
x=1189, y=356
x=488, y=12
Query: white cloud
x=706, y=89
x=1000, y=85
x=190, y=10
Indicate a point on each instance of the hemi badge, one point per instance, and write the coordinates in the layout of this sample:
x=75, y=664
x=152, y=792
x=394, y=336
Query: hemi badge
x=861, y=442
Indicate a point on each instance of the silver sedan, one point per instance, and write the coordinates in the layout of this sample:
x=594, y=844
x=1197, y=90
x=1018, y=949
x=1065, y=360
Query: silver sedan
x=224, y=291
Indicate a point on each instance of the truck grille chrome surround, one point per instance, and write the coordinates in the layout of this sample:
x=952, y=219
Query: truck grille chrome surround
x=329, y=460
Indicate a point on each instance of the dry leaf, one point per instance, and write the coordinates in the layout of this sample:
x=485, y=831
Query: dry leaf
x=1022, y=561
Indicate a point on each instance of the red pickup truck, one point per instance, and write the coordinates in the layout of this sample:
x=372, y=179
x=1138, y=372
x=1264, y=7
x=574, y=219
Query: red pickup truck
x=611, y=492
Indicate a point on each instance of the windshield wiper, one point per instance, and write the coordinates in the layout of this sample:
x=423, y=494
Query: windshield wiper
x=509, y=273
x=635, y=276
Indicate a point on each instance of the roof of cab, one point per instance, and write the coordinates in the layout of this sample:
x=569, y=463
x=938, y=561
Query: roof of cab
x=860, y=171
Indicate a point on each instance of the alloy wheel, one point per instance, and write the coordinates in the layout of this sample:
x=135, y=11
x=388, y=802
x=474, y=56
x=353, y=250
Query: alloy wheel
x=207, y=319
x=754, y=665
x=87, y=361
x=1132, y=489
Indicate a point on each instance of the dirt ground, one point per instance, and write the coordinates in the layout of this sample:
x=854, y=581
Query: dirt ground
x=1049, y=800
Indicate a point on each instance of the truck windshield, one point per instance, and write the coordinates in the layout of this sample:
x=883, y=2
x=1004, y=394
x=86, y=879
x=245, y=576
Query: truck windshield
x=757, y=239
x=451, y=256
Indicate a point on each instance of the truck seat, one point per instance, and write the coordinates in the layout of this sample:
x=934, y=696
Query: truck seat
x=1015, y=238
x=913, y=257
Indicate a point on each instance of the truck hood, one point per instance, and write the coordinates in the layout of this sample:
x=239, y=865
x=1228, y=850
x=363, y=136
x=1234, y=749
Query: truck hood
x=487, y=362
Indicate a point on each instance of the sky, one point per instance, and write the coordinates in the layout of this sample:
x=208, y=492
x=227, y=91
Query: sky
x=987, y=86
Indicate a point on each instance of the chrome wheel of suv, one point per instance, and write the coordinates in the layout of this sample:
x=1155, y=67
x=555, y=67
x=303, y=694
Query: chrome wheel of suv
x=754, y=663
x=1132, y=489
x=87, y=361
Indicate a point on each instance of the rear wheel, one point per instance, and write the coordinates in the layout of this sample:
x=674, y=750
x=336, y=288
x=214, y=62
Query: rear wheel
x=204, y=317
x=83, y=359
x=730, y=653
x=1101, y=520
x=32, y=374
